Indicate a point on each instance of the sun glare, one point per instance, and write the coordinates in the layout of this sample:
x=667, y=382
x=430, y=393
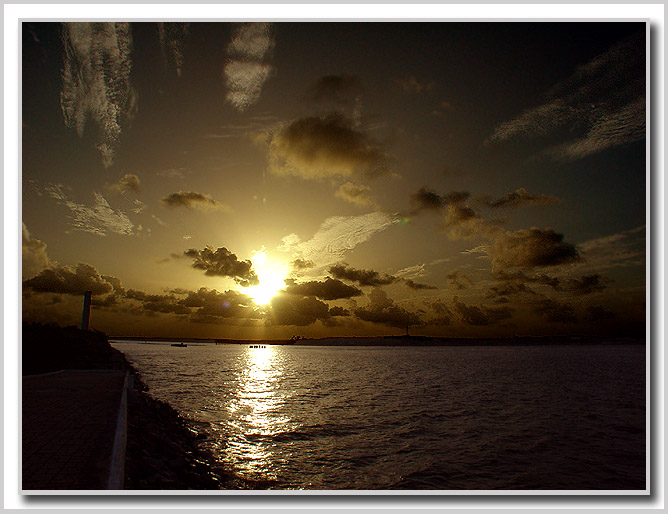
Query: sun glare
x=271, y=275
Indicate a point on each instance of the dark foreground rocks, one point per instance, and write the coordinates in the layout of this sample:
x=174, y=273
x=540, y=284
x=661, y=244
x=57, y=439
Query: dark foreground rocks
x=162, y=451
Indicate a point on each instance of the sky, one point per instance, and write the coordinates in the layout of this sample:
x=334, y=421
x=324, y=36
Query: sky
x=263, y=180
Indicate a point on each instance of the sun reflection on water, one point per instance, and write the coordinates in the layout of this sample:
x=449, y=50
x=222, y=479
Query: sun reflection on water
x=253, y=412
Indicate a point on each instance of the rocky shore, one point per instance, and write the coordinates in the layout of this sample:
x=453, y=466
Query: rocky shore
x=163, y=451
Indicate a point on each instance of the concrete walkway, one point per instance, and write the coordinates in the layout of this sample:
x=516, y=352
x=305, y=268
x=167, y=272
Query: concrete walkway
x=73, y=430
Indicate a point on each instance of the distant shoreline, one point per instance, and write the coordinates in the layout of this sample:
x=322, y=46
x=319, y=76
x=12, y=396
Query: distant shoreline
x=402, y=341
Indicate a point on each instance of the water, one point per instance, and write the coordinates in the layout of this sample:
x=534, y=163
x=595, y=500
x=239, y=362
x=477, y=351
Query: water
x=442, y=418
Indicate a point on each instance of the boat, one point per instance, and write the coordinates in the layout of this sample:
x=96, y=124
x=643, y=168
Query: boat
x=180, y=345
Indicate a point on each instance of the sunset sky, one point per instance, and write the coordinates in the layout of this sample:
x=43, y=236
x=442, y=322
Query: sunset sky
x=261, y=180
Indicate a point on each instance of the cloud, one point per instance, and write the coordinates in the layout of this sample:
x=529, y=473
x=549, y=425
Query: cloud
x=383, y=310
x=623, y=249
x=190, y=199
x=246, y=70
x=322, y=147
x=555, y=312
x=127, y=183
x=356, y=194
x=600, y=106
x=411, y=271
x=337, y=89
x=520, y=198
x=458, y=280
x=329, y=289
x=443, y=313
x=361, y=276
x=338, y=311
x=172, y=172
x=480, y=316
x=415, y=86
x=442, y=108
x=460, y=220
x=418, y=285
x=428, y=199
x=34, y=257
x=300, y=311
x=531, y=248
x=96, y=80
x=72, y=281
x=223, y=263
x=173, y=37
x=98, y=219
x=598, y=313
x=586, y=284
x=213, y=306
x=338, y=235
x=302, y=264
x=521, y=277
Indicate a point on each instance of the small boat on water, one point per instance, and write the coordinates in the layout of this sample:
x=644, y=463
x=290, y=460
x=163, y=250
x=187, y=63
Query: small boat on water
x=180, y=345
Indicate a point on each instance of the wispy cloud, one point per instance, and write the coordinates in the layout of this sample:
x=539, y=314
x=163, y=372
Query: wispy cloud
x=246, y=70
x=623, y=249
x=600, y=106
x=338, y=235
x=172, y=39
x=96, y=80
x=98, y=219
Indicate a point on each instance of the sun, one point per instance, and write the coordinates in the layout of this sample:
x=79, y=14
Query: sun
x=271, y=275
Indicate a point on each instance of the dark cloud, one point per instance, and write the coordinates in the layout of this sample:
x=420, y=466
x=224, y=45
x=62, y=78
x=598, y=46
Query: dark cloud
x=337, y=89
x=520, y=198
x=324, y=147
x=521, y=277
x=428, y=199
x=201, y=306
x=598, y=313
x=480, y=316
x=329, y=289
x=338, y=311
x=443, y=313
x=531, y=248
x=458, y=280
x=115, y=283
x=213, y=306
x=418, y=285
x=554, y=311
x=302, y=264
x=361, y=276
x=293, y=310
x=461, y=220
x=223, y=263
x=384, y=311
x=66, y=280
x=586, y=284
x=190, y=199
